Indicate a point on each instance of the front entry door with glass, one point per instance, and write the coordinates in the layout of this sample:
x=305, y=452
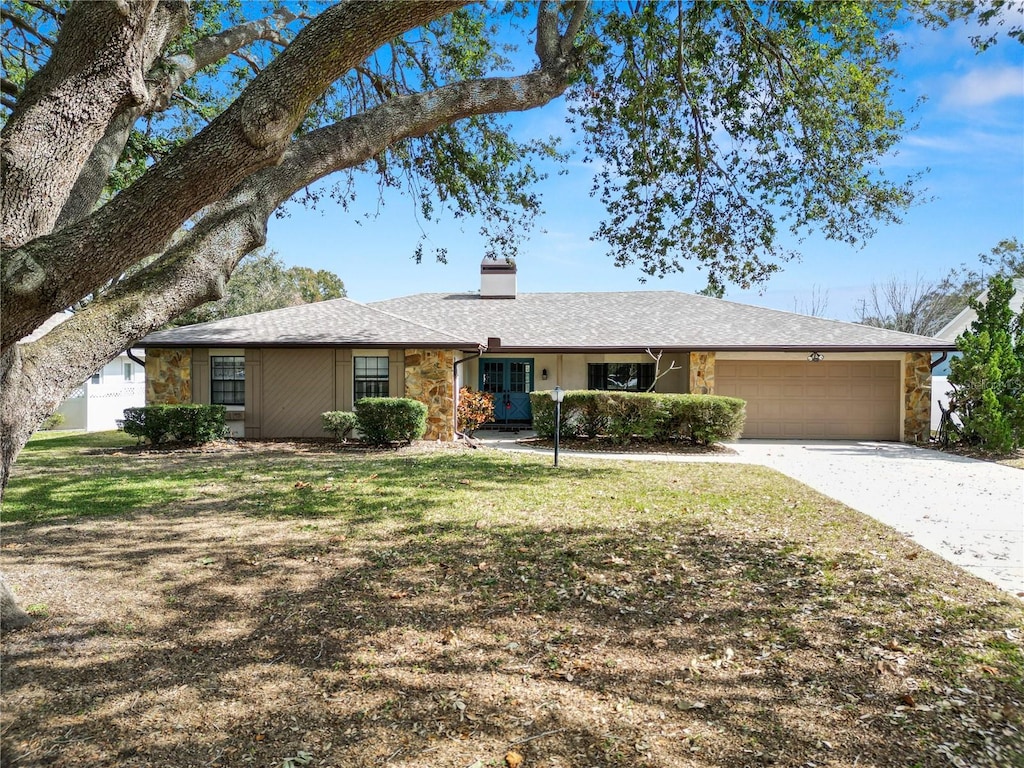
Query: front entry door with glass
x=510, y=381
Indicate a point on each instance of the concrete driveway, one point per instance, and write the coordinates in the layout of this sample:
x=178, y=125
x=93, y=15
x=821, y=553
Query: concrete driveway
x=970, y=512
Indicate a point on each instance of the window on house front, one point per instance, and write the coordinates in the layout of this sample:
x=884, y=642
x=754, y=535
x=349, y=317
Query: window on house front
x=227, y=380
x=96, y=377
x=371, y=377
x=623, y=377
x=128, y=371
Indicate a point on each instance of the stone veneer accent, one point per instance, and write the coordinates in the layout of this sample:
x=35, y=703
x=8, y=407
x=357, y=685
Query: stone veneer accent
x=429, y=378
x=917, y=397
x=168, y=376
x=702, y=373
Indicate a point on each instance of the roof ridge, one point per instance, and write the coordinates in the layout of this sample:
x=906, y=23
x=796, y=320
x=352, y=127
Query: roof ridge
x=411, y=322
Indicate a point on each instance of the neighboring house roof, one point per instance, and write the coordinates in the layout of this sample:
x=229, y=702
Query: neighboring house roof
x=639, y=319
x=337, y=322
x=963, y=321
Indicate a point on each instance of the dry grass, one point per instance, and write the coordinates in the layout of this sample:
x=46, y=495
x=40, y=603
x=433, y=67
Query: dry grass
x=282, y=605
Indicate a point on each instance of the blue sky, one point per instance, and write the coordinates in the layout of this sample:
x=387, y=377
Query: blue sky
x=970, y=135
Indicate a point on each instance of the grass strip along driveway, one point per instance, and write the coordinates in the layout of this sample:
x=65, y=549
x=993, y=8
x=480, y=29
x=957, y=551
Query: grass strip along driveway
x=285, y=605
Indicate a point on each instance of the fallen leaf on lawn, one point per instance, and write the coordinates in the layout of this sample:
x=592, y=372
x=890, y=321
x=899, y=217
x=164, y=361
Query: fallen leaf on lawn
x=482, y=566
x=465, y=482
x=885, y=668
x=685, y=704
x=989, y=670
x=398, y=595
x=907, y=699
x=448, y=636
x=302, y=484
x=513, y=759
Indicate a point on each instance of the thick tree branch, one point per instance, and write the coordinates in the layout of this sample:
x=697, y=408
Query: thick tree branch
x=172, y=72
x=52, y=272
x=196, y=269
x=164, y=79
x=94, y=69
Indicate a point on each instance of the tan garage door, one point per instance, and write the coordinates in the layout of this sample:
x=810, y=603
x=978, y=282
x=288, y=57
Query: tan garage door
x=298, y=386
x=825, y=400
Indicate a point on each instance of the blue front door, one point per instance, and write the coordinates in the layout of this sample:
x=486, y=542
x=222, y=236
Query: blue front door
x=510, y=381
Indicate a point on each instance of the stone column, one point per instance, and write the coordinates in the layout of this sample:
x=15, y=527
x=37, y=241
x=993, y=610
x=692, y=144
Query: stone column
x=917, y=397
x=702, y=373
x=168, y=376
x=428, y=378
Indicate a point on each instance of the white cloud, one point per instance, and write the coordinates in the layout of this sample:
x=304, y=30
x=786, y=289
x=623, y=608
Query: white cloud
x=985, y=86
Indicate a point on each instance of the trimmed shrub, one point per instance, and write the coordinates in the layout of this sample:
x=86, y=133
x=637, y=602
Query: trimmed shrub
x=475, y=409
x=340, y=423
x=543, y=409
x=634, y=414
x=702, y=419
x=626, y=416
x=189, y=423
x=386, y=420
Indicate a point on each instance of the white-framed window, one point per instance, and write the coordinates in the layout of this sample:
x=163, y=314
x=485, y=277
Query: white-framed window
x=96, y=377
x=227, y=379
x=371, y=377
x=129, y=371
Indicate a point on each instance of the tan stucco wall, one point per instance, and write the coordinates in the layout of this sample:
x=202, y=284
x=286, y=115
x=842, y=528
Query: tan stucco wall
x=569, y=370
x=917, y=397
x=168, y=376
x=428, y=378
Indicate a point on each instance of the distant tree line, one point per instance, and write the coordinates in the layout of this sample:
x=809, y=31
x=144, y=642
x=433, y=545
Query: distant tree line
x=924, y=306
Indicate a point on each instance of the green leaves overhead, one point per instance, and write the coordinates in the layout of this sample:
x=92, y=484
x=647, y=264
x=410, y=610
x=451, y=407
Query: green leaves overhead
x=712, y=124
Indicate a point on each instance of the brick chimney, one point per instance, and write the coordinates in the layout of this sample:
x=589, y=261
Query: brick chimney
x=497, y=278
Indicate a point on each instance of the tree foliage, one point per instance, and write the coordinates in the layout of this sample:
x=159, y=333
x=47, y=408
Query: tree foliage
x=260, y=283
x=145, y=145
x=924, y=306
x=988, y=378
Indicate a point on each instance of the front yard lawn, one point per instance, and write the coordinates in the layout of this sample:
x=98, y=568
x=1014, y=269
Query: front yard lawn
x=284, y=605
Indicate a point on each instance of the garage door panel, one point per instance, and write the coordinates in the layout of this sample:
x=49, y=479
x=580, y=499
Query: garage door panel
x=825, y=400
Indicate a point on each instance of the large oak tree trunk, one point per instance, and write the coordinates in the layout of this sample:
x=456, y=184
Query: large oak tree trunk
x=237, y=172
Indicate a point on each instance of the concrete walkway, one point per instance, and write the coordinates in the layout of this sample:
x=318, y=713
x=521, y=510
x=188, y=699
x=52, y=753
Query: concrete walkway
x=970, y=512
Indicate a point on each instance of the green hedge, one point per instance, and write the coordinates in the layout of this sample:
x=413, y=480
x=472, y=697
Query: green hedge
x=341, y=423
x=626, y=416
x=187, y=423
x=386, y=420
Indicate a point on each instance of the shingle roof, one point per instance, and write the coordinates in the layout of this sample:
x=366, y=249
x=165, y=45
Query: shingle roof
x=335, y=322
x=624, y=320
x=639, y=319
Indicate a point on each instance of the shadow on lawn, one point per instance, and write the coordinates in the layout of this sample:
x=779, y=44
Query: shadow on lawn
x=661, y=644
x=320, y=484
